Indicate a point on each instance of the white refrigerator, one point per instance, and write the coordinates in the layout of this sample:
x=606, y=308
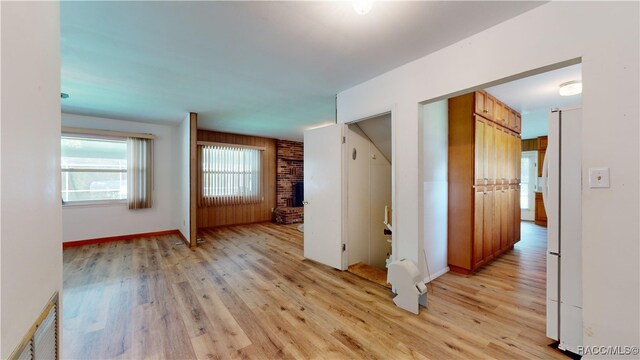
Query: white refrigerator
x=561, y=190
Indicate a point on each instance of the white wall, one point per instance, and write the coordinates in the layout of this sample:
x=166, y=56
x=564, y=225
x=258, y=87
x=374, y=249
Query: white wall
x=30, y=215
x=606, y=36
x=181, y=154
x=433, y=144
x=81, y=222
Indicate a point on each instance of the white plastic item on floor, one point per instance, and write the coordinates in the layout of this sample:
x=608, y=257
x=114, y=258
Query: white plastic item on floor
x=407, y=283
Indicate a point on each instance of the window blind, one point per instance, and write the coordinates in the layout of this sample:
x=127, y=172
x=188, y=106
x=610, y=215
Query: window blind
x=229, y=175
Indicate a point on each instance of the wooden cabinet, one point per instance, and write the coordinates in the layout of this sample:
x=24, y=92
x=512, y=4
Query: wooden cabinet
x=515, y=121
x=484, y=104
x=485, y=233
x=480, y=151
x=540, y=213
x=517, y=156
x=542, y=150
x=484, y=171
x=501, y=114
x=516, y=213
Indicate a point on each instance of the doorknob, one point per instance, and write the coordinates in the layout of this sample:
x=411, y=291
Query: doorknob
x=305, y=203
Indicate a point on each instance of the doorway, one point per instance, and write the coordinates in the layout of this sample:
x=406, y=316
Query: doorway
x=528, y=179
x=368, y=157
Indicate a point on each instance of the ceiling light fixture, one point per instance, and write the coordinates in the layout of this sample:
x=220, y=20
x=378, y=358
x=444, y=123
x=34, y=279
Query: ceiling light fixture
x=570, y=88
x=362, y=7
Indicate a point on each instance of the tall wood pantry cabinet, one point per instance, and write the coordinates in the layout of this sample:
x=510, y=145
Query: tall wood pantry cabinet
x=484, y=185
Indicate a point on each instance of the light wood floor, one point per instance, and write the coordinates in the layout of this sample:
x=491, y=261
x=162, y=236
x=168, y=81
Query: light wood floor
x=248, y=293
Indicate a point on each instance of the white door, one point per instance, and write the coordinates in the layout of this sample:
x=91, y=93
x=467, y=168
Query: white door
x=323, y=187
x=528, y=184
x=358, y=196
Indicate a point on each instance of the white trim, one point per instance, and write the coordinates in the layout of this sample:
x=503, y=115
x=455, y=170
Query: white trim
x=72, y=130
x=100, y=170
x=436, y=275
x=94, y=203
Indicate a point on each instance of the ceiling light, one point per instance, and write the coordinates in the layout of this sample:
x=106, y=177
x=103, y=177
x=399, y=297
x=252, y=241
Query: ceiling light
x=570, y=88
x=362, y=7
x=64, y=96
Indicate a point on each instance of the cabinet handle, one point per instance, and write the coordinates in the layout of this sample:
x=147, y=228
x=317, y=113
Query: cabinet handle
x=485, y=111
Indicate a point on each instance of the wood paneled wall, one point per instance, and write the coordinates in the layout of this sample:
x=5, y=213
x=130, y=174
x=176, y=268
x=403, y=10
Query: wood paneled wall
x=244, y=213
x=530, y=144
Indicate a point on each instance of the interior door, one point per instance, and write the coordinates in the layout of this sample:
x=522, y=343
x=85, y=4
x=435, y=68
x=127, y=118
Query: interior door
x=527, y=184
x=323, y=187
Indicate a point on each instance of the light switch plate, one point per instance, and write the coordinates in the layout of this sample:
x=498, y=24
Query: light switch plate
x=599, y=177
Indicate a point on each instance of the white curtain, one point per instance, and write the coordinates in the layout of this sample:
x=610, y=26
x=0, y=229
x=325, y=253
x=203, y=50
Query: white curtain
x=139, y=173
x=229, y=175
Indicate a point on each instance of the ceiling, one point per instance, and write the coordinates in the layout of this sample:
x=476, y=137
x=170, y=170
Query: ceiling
x=536, y=95
x=258, y=68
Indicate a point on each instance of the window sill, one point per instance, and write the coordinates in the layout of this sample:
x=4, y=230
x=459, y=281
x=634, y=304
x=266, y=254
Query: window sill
x=95, y=203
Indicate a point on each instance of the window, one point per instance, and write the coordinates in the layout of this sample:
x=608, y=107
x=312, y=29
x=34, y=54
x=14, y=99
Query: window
x=107, y=166
x=93, y=169
x=229, y=175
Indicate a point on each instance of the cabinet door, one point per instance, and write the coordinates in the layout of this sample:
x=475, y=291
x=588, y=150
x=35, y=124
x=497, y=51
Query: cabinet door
x=517, y=214
x=489, y=104
x=478, y=224
x=541, y=214
x=514, y=208
x=541, y=154
x=511, y=120
x=488, y=226
x=497, y=219
x=501, y=156
x=508, y=157
x=510, y=213
x=506, y=116
x=484, y=104
x=479, y=98
x=480, y=151
x=490, y=153
x=518, y=158
x=518, y=128
x=498, y=112
x=514, y=163
x=542, y=142
x=505, y=219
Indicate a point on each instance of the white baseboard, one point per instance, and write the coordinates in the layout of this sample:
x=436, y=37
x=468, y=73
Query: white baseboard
x=437, y=274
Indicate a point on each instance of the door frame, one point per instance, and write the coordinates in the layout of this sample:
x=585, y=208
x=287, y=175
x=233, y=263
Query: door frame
x=345, y=230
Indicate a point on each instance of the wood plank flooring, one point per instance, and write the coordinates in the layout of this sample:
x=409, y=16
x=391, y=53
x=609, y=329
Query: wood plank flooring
x=371, y=273
x=248, y=293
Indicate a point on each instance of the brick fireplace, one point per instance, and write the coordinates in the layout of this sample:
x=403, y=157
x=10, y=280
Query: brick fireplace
x=289, y=173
